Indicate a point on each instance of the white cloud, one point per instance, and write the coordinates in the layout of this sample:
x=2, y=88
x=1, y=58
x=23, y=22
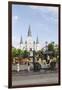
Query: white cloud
x=15, y=17
x=15, y=41
x=53, y=9
x=50, y=8
x=35, y=7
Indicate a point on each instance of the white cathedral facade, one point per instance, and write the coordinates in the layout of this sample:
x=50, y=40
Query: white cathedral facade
x=29, y=44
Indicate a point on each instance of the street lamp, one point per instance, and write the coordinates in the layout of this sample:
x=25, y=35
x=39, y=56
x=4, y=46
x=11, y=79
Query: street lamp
x=46, y=50
x=33, y=59
x=32, y=55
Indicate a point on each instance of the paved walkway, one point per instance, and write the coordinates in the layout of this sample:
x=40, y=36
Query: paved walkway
x=23, y=73
x=25, y=78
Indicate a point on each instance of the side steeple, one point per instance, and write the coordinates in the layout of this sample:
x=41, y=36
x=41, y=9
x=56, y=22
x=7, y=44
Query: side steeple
x=29, y=31
x=37, y=40
x=21, y=40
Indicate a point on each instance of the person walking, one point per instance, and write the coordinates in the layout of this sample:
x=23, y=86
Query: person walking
x=18, y=67
x=28, y=67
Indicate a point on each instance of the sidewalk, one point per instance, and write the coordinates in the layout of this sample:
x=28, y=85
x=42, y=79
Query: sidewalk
x=23, y=73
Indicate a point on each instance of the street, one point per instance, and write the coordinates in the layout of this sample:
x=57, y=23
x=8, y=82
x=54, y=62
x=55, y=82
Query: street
x=25, y=78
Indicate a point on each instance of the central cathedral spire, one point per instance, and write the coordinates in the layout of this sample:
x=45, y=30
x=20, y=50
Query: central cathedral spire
x=29, y=31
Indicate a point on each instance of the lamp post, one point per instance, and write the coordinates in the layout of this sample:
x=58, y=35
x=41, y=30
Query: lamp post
x=33, y=59
x=32, y=55
x=46, y=50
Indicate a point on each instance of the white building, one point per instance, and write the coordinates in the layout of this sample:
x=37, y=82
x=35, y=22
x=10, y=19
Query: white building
x=29, y=44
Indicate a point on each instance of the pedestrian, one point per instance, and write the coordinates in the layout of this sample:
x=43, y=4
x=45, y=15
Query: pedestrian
x=28, y=66
x=48, y=59
x=18, y=67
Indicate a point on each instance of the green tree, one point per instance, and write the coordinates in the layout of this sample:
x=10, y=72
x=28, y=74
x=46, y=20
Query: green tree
x=39, y=54
x=54, y=48
x=18, y=52
x=51, y=46
x=14, y=51
x=25, y=53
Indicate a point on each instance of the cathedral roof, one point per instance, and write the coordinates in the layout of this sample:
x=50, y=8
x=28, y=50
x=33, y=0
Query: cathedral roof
x=21, y=41
x=29, y=31
x=37, y=41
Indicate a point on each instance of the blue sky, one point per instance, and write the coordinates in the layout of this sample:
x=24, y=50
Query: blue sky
x=43, y=21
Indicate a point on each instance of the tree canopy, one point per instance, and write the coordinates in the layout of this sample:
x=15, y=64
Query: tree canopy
x=19, y=52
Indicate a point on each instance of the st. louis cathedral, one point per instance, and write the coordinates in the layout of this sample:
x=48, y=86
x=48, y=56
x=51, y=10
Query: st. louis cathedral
x=29, y=44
